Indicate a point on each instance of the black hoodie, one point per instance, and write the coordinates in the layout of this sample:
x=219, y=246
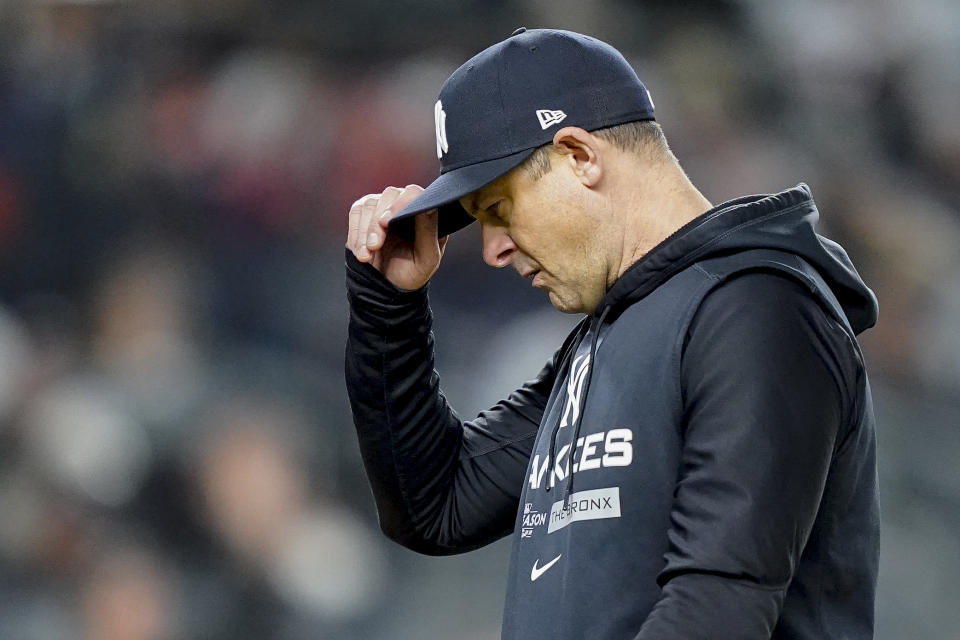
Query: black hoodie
x=716, y=417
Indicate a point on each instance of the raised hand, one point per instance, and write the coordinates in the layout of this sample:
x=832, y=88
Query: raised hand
x=408, y=265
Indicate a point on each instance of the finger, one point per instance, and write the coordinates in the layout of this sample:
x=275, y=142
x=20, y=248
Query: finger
x=367, y=210
x=374, y=234
x=408, y=195
x=353, y=224
x=426, y=245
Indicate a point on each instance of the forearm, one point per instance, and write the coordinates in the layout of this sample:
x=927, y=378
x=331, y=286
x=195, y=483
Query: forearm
x=409, y=438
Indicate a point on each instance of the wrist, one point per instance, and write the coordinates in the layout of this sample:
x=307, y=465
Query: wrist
x=367, y=283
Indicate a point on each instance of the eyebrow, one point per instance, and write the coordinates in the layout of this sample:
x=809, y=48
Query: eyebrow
x=472, y=202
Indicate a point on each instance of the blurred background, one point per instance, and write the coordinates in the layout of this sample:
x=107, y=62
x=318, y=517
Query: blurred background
x=177, y=457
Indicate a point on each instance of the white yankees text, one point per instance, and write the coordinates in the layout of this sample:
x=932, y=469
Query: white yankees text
x=611, y=448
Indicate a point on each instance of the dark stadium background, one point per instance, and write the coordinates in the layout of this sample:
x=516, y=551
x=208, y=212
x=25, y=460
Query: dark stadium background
x=177, y=458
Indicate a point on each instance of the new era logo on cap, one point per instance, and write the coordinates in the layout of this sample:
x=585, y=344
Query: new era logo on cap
x=548, y=117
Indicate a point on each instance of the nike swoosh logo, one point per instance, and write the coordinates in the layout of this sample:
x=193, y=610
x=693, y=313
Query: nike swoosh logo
x=536, y=571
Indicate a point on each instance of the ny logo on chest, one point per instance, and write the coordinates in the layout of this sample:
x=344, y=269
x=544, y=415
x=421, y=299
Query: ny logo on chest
x=575, y=383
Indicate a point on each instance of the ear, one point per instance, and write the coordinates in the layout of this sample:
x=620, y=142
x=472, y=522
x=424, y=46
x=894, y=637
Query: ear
x=582, y=151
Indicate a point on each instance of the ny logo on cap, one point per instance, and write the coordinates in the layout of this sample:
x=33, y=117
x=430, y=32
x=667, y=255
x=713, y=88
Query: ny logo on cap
x=440, y=120
x=548, y=117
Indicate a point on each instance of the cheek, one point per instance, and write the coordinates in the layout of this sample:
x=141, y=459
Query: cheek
x=574, y=239
x=550, y=226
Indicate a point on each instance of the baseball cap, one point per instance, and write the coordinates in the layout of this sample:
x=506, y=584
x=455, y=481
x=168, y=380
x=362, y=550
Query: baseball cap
x=509, y=99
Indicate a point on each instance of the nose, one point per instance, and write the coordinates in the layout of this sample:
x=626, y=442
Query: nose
x=498, y=246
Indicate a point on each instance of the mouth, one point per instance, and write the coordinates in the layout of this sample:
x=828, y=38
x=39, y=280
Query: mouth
x=537, y=280
x=536, y=275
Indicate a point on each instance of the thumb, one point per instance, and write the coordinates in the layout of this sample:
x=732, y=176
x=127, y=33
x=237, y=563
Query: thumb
x=426, y=246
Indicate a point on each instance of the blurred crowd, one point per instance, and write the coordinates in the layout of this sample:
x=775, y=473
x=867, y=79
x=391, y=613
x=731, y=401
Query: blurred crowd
x=177, y=457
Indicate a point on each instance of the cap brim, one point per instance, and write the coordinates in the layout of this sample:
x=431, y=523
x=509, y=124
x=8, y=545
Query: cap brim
x=444, y=193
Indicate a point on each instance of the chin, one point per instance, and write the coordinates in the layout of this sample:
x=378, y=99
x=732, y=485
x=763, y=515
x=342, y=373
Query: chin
x=565, y=305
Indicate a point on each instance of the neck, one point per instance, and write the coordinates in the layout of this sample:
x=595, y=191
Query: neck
x=652, y=209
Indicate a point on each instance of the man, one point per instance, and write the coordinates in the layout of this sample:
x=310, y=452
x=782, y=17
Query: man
x=697, y=459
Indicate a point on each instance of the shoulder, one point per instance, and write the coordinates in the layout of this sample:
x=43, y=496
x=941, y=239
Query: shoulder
x=766, y=326
x=757, y=306
x=758, y=295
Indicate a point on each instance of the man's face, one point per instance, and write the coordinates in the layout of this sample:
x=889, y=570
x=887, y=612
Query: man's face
x=548, y=230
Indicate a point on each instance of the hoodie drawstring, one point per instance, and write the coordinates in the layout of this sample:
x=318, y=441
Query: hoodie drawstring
x=581, y=402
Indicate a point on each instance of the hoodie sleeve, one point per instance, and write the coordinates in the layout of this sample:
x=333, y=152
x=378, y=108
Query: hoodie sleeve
x=442, y=486
x=768, y=380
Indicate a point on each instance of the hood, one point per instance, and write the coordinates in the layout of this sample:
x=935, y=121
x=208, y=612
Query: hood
x=784, y=221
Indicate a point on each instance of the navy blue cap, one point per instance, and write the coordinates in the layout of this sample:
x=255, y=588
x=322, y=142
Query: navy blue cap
x=509, y=99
